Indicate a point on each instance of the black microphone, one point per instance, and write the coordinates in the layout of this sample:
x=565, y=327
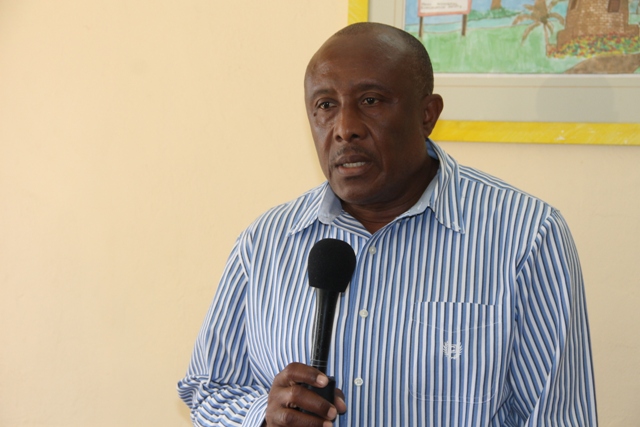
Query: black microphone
x=330, y=267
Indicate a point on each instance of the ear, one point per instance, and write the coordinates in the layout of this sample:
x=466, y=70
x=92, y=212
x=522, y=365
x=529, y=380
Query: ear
x=432, y=107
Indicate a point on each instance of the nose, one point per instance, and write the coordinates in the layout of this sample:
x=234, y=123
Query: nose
x=348, y=124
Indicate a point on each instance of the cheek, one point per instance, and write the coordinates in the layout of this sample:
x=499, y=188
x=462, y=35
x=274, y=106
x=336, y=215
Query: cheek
x=322, y=150
x=321, y=124
x=321, y=133
x=323, y=158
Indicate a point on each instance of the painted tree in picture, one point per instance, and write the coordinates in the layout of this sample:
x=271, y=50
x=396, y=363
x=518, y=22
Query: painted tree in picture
x=533, y=36
x=540, y=14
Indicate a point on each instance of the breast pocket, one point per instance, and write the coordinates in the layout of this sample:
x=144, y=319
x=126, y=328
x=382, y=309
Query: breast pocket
x=456, y=352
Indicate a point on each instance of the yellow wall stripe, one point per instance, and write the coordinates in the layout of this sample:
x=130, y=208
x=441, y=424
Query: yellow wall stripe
x=358, y=11
x=538, y=133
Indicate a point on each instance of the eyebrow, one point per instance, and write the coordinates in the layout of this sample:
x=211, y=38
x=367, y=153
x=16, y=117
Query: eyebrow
x=360, y=87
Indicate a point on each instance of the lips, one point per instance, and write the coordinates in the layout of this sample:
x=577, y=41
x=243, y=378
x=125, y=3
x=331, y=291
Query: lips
x=352, y=164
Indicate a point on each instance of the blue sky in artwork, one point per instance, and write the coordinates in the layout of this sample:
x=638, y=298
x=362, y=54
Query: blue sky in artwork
x=451, y=22
x=411, y=10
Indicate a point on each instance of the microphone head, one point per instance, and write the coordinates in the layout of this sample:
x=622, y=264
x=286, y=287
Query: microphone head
x=331, y=265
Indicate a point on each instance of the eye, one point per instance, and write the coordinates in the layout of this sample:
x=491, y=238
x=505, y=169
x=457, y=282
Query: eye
x=369, y=100
x=325, y=105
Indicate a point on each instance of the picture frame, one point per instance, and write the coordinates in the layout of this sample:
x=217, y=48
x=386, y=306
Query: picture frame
x=598, y=109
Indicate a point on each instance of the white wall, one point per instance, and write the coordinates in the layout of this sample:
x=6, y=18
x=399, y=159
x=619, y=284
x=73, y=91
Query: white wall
x=137, y=139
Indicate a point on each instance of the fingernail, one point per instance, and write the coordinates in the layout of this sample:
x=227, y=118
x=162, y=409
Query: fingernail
x=327, y=424
x=322, y=380
x=332, y=414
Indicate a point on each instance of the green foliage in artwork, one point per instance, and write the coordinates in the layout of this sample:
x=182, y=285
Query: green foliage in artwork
x=475, y=15
x=498, y=50
x=588, y=46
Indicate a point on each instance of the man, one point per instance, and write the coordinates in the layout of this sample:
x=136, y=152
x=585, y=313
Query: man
x=466, y=307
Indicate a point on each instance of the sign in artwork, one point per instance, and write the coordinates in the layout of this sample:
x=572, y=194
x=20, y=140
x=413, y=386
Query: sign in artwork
x=443, y=7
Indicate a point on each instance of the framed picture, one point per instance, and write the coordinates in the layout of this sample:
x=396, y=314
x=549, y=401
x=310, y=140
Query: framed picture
x=482, y=57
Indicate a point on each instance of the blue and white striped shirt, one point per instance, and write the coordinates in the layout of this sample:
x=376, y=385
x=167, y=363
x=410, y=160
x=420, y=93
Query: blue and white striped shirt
x=467, y=310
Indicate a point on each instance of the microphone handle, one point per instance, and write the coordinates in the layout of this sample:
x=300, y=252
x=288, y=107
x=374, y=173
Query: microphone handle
x=326, y=302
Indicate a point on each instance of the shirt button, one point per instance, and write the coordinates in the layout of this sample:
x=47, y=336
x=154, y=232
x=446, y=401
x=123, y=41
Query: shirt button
x=358, y=381
x=364, y=313
x=372, y=250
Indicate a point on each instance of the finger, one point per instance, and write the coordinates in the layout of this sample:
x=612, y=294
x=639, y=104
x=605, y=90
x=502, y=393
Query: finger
x=339, y=403
x=300, y=397
x=291, y=417
x=296, y=373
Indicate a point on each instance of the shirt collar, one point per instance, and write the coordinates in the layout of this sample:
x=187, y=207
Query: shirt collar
x=442, y=196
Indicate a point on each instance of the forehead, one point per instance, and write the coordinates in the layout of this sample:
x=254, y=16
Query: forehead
x=359, y=59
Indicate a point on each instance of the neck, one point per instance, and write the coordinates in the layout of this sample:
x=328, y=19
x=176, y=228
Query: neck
x=375, y=216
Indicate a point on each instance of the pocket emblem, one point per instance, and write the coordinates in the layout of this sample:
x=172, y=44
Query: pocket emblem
x=452, y=351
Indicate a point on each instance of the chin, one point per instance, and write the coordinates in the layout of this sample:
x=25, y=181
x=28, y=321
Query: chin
x=354, y=198
x=356, y=193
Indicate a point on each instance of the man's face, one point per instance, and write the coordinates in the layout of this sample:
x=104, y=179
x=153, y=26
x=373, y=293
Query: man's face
x=368, y=120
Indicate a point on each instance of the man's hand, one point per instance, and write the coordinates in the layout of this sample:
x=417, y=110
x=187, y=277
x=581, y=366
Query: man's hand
x=287, y=395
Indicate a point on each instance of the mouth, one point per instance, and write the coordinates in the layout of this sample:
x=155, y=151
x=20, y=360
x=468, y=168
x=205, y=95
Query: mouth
x=351, y=162
x=352, y=165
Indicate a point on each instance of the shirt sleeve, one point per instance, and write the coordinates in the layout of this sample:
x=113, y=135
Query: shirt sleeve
x=219, y=386
x=551, y=373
